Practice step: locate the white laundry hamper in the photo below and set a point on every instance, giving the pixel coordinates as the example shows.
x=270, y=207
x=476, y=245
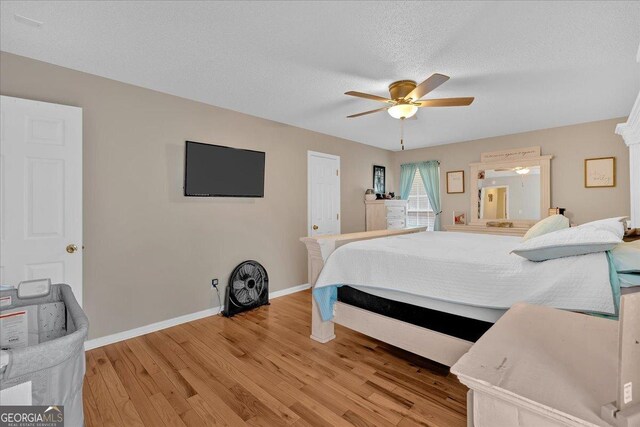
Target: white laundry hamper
x=54, y=363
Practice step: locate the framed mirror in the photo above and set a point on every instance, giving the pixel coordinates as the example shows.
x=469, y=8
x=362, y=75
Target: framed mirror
x=516, y=191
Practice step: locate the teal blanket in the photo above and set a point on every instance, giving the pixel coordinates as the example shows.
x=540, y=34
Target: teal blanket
x=615, y=286
x=326, y=298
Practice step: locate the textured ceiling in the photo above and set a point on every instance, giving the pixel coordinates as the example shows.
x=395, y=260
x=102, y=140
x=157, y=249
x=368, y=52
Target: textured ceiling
x=529, y=65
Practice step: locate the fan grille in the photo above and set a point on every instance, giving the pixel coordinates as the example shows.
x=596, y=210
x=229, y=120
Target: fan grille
x=248, y=287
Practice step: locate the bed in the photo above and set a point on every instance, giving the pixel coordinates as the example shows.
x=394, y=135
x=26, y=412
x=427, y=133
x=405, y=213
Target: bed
x=442, y=289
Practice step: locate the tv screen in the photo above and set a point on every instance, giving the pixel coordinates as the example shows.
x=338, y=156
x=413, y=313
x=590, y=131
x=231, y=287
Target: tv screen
x=216, y=171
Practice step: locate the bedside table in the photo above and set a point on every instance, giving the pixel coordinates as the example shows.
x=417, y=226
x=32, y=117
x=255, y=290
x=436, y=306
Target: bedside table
x=538, y=366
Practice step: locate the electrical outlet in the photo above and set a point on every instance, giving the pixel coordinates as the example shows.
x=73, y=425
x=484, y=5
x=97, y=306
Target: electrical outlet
x=214, y=283
x=628, y=393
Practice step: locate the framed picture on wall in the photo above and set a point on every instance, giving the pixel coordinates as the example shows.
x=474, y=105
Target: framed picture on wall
x=459, y=218
x=379, y=178
x=600, y=172
x=455, y=182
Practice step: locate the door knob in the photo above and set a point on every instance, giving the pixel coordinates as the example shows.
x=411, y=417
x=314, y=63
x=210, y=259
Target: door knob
x=72, y=248
x=315, y=227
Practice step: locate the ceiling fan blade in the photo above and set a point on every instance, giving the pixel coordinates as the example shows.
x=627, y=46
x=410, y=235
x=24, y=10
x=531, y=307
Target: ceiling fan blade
x=367, y=112
x=427, y=86
x=445, y=102
x=368, y=96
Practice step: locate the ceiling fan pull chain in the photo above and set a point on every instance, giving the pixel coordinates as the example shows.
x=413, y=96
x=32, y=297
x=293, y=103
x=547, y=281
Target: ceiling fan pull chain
x=402, y=133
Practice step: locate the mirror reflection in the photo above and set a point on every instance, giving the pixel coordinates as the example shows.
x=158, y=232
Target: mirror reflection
x=509, y=194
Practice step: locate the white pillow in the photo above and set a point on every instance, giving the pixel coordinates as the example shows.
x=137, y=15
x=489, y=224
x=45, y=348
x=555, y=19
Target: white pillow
x=547, y=225
x=568, y=242
x=614, y=225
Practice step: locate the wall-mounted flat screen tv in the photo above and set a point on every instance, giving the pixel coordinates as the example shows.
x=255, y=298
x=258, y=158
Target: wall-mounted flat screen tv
x=217, y=171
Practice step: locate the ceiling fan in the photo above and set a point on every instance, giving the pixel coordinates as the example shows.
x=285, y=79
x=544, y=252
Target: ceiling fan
x=405, y=95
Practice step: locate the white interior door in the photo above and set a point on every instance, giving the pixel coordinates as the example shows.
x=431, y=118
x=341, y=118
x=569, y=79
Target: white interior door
x=323, y=172
x=40, y=192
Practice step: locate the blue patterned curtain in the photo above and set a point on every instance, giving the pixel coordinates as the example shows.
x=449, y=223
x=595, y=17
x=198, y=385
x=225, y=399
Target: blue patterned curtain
x=430, y=172
x=407, y=172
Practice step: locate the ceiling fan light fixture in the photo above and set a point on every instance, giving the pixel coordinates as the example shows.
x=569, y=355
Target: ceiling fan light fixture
x=522, y=171
x=402, y=111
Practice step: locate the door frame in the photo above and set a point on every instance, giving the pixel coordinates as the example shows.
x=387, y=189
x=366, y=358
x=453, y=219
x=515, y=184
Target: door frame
x=328, y=156
x=506, y=195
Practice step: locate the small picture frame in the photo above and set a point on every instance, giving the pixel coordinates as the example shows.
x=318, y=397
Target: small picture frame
x=459, y=218
x=600, y=172
x=455, y=182
x=379, y=178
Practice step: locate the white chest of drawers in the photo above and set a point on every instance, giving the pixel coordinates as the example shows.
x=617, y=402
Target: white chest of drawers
x=385, y=214
x=396, y=214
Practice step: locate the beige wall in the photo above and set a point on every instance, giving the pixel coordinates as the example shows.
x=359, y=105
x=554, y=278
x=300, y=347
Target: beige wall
x=569, y=145
x=150, y=253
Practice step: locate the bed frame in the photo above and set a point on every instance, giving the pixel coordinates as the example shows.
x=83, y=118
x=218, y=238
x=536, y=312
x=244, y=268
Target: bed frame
x=425, y=342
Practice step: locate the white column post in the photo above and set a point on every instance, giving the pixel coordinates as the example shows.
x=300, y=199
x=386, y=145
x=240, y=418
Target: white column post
x=318, y=250
x=630, y=132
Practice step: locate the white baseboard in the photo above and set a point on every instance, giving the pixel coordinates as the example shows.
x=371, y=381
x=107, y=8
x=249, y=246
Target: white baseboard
x=288, y=291
x=147, y=329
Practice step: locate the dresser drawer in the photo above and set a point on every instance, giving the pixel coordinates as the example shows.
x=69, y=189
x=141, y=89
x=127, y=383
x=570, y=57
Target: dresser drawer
x=395, y=224
x=396, y=212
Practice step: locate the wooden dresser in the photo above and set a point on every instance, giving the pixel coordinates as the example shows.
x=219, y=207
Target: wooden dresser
x=539, y=366
x=385, y=214
x=483, y=229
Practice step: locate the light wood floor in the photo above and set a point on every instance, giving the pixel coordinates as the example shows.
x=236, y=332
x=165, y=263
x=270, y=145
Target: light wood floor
x=262, y=369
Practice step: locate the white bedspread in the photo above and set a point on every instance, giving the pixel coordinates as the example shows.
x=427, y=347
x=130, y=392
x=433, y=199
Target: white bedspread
x=472, y=269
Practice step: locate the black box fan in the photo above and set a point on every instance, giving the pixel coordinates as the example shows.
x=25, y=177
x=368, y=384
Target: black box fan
x=248, y=288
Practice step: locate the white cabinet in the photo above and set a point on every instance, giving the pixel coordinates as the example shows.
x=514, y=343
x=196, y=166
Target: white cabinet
x=539, y=366
x=396, y=214
x=385, y=214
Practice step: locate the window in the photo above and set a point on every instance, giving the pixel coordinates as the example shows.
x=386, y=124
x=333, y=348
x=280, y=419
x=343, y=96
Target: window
x=419, y=212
